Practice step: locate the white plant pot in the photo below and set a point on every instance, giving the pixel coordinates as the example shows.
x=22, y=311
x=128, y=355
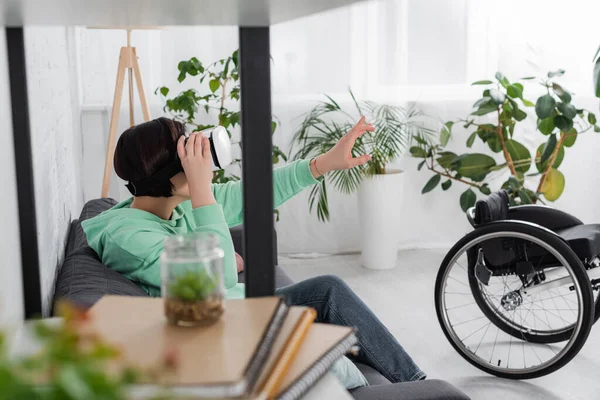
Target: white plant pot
x=379, y=206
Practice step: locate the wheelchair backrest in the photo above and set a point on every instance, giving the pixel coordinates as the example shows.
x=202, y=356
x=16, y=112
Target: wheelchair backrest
x=493, y=208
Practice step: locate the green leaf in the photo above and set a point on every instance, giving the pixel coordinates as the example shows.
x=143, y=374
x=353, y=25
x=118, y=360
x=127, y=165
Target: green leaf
x=502, y=79
x=527, y=103
x=483, y=82
x=596, y=128
x=418, y=152
x=164, y=90
x=557, y=73
x=563, y=123
x=488, y=135
x=597, y=78
x=471, y=139
x=519, y=114
x=591, y=118
x=515, y=90
x=474, y=165
x=485, y=190
x=542, y=166
x=214, y=84
x=421, y=165
x=545, y=106
x=564, y=95
x=546, y=126
x=420, y=140
x=497, y=96
x=431, y=184
x=554, y=185
x=596, y=55
x=273, y=126
x=482, y=101
x=567, y=109
x=569, y=138
x=525, y=197
x=234, y=118
x=548, y=149
x=446, y=159
x=446, y=185
x=519, y=154
x=234, y=57
x=528, y=78
x=467, y=200
x=485, y=109
x=445, y=133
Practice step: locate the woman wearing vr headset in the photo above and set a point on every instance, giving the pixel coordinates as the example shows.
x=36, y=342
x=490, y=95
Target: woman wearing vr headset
x=170, y=176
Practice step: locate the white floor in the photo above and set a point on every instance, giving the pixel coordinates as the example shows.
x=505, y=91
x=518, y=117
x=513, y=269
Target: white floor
x=403, y=300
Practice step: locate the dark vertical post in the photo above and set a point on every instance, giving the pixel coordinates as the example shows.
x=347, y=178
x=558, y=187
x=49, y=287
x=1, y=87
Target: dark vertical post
x=257, y=165
x=24, y=169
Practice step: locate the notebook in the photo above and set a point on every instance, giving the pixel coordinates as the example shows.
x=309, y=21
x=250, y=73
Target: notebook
x=323, y=345
x=285, y=349
x=307, y=351
x=224, y=359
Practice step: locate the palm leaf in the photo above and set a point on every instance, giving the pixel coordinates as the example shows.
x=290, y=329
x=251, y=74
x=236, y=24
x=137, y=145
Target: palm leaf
x=319, y=194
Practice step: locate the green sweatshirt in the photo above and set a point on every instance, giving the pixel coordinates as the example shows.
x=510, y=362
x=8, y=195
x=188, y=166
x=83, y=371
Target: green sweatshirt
x=130, y=241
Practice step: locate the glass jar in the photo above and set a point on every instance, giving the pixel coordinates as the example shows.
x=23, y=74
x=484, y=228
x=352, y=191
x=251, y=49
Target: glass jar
x=192, y=279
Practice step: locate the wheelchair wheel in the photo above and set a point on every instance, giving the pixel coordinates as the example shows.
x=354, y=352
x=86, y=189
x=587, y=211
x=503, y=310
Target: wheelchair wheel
x=490, y=303
x=508, y=323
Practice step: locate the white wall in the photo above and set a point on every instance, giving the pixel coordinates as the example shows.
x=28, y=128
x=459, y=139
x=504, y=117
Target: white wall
x=11, y=286
x=56, y=144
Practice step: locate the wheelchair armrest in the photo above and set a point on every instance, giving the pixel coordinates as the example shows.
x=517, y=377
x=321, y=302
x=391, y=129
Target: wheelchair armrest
x=545, y=216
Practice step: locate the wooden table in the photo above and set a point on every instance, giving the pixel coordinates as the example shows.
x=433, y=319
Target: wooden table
x=22, y=342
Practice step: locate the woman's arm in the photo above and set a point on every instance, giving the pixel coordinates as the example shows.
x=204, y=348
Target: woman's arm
x=296, y=176
x=287, y=182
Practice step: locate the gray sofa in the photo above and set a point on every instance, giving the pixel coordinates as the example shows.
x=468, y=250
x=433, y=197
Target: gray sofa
x=83, y=280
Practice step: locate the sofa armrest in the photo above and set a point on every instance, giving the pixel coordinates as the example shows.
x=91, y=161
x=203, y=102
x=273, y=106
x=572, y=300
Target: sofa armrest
x=237, y=235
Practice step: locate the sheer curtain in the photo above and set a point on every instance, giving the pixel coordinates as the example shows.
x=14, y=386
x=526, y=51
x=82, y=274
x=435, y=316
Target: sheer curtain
x=399, y=51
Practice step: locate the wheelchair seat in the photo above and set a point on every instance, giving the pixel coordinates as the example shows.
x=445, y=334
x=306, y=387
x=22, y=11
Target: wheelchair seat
x=584, y=239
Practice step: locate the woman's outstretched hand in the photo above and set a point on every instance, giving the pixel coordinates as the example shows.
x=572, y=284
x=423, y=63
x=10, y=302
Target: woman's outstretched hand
x=340, y=156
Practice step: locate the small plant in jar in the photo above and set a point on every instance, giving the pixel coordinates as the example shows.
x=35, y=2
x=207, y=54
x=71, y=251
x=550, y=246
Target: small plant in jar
x=192, y=279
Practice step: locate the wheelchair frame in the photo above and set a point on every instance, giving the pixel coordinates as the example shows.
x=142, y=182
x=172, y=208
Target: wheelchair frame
x=522, y=244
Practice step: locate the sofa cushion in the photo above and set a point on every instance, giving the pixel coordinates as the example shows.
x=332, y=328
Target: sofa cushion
x=83, y=279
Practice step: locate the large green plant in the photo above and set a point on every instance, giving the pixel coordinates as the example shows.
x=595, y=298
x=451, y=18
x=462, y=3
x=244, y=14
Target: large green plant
x=324, y=125
x=493, y=120
x=73, y=364
x=206, y=110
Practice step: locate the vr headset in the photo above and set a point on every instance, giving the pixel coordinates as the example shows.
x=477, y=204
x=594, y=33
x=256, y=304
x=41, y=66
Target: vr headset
x=220, y=150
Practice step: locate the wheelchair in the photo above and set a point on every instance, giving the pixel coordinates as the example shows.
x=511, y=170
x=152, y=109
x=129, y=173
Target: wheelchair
x=517, y=296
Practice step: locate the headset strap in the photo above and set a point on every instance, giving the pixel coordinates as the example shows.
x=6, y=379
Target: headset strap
x=145, y=186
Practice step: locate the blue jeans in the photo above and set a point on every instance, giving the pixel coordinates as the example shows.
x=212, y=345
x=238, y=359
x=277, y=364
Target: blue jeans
x=337, y=304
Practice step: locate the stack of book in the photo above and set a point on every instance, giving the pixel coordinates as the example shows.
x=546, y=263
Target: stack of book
x=259, y=348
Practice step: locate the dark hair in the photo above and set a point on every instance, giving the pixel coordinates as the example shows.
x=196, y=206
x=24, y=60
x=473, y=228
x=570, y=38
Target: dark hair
x=145, y=149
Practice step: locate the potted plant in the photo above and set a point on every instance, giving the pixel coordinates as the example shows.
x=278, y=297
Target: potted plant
x=559, y=123
x=379, y=187
x=193, y=297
